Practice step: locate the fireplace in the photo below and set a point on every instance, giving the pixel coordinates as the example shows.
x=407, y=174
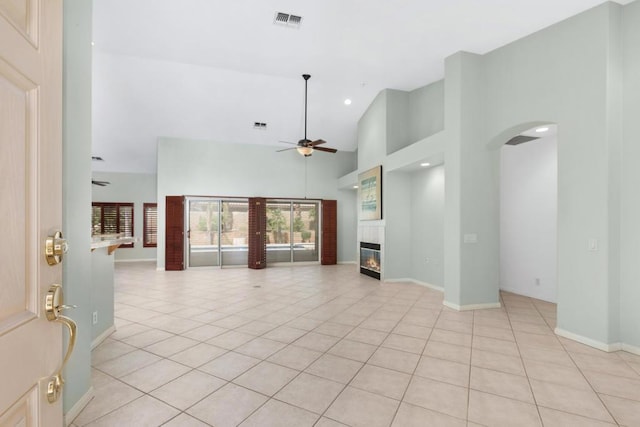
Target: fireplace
x=370, y=259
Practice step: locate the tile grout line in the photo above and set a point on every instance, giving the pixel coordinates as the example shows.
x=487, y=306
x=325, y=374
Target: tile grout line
x=524, y=367
x=303, y=371
x=329, y=304
x=416, y=367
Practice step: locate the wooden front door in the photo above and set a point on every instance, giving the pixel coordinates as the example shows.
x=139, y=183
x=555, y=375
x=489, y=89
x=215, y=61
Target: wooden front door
x=30, y=207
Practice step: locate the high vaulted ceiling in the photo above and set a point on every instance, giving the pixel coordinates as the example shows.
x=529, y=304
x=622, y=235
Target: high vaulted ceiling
x=209, y=69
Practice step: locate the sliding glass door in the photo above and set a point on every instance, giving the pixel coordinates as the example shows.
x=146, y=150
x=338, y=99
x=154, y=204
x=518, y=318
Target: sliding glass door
x=217, y=232
x=234, y=225
x=292, y=231
x=305, y=232
x=203, y=233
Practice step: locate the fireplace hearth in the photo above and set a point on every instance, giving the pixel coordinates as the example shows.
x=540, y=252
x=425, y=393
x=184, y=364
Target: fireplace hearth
x=370, y=263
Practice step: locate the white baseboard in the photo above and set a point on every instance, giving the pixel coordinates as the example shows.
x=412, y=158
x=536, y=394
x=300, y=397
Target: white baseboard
x=136, y=260
x=588, y=341
x=79, y=406
x=103, y=336
x=631, y=349
x=417, y=282
x=469, y=307
x=526, y=293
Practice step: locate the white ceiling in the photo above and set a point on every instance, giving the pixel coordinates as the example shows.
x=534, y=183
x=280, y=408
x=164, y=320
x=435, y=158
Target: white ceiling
x=209, y=69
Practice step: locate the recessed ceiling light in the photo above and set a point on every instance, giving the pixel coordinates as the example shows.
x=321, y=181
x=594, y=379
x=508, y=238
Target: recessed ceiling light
x=355, y=186
x=425, y=164
x=347, y=101
x=542, y=129
x=93, y=43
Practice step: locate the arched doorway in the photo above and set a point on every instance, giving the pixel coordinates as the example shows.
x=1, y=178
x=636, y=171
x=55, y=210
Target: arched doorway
x=528, y=213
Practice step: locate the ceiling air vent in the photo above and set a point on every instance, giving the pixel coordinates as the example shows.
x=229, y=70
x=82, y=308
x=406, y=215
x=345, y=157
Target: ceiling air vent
x=287, y=20
x=521, y=139
x=260, y=125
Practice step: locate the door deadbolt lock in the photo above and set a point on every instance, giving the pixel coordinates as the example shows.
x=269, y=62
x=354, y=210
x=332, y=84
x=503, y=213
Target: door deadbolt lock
x=55, y=246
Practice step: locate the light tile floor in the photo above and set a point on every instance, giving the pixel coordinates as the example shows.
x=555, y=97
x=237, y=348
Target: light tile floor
x=325, y=346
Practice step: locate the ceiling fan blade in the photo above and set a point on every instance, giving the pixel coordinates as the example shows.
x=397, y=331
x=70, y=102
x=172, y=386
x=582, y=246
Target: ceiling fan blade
x=327, y=149
x=286, y=149
x=318, y=142
x=100, y=183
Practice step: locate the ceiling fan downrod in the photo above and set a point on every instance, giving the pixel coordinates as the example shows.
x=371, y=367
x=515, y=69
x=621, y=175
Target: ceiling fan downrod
x=306, y=78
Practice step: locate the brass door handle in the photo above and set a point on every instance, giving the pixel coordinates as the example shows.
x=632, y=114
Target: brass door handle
x=53, y=307
x=55, y=246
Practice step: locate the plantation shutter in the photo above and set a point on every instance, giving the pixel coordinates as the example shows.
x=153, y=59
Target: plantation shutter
x=174, y=233
x=125, y=222
x=329, y=250
x=257, y=257
x=150, y=225
x=109, y=218
x=113, y=218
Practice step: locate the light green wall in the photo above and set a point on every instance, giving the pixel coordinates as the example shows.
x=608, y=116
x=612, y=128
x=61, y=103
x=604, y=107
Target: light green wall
x=129, y=187
x=408, y=118
x=396, y=203
x=570, y=74
x=471, y=200
x=76, y=177
x=630, y=212
x=569, y=88
x=189, y=167
x=348, y=224
x=427, y=225
x=398, y=123
x=426, y=111
x=102, y=290
x=372, y=134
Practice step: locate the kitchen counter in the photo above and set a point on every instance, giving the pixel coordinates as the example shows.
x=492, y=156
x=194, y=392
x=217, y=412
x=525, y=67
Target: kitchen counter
x=111, y=241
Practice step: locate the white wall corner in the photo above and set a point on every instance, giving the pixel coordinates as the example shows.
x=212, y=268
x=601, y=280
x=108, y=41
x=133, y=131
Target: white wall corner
x=103, y=336
x=79, y=406
x=588, y=341
x=469, y=307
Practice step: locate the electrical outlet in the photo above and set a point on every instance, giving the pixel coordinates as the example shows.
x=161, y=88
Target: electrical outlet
x=95, y=317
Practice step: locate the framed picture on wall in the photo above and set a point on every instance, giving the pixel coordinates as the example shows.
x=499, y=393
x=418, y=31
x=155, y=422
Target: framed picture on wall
x=370, y=194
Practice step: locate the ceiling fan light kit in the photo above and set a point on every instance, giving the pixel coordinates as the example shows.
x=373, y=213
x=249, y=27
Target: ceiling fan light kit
x=305, y=151
x=305, y=146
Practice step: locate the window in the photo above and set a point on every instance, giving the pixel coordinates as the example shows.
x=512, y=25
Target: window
x=292, y=230
x=150, y=225
x=113, y=218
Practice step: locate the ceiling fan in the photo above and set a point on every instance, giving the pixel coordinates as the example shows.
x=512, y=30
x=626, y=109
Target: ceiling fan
x=305, y=146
